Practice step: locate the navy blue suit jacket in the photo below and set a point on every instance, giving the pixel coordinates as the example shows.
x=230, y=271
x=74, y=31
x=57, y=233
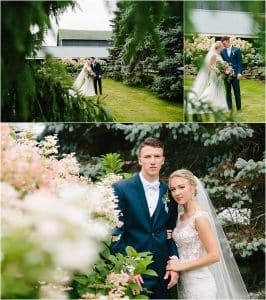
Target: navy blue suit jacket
x=141, y=231
x=235, y=59
x=97, y=69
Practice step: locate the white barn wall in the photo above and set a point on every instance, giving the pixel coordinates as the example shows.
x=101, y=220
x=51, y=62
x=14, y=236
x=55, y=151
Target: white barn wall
x=219, y=23
x=72, y=52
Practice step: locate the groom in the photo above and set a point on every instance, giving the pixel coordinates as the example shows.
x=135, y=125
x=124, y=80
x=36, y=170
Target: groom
x=146, y=215
x=233, y=56
x=96, y=68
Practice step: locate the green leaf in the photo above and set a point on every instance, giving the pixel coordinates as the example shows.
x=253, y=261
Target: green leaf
x=150, y=272
x=106, y=253
x=112, y=258
x=134, y=286
x=141, y=297
x=131, y=251
x=102, y=269
x=80, y=279
x=120, y=256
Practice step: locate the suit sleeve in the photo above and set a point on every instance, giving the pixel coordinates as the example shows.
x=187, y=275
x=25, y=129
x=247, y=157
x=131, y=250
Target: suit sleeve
x=172, y=248
x=239, y=62
x=119, y=246
x=100, y=70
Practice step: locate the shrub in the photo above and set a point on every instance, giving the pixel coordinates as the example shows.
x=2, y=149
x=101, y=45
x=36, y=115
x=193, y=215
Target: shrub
x=197, y=46
x=154, y=64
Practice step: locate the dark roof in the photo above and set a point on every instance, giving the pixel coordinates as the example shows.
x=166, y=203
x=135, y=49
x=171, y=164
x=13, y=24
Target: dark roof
x=69, y=34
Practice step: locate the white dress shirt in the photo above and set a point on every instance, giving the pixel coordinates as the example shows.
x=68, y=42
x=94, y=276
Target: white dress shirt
x=229, y=50
x=152, y=192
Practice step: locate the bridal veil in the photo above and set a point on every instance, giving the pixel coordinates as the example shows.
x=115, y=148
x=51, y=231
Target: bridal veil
x=226, y=273
x=78, y=82
x=201, y=82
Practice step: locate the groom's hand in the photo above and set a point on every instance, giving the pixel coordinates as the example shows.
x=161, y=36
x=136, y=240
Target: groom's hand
x=137, y=279
x=239, y=76
x=173, y=278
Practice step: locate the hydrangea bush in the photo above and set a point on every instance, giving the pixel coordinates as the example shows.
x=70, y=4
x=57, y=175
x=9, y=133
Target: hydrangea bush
x=196, y=49
x=197, y=46
x=56, y=226
x=53, y=220
x=74, y=66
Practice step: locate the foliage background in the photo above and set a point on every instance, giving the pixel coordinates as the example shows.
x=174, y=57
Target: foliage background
x=148, y=46
x=32, y=90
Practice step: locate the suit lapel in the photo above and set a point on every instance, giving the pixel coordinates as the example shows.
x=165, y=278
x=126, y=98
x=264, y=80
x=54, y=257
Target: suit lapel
x=142, y=198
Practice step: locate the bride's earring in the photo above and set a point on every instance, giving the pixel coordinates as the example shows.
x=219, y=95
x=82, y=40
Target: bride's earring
x=194, y=196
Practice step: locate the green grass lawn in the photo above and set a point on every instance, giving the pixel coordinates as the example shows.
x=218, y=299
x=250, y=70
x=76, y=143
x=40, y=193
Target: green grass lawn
x=131, y=104
x=253, y=101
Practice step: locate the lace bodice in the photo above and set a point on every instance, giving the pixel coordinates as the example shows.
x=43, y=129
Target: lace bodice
x=218, y=58
x=187, y=238
x=213, y=66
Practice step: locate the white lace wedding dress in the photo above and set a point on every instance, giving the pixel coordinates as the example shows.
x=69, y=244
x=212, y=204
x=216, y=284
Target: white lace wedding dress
x=84, y=83
x=198, y=283
x=87, y=89
x=214, y=93
x=207, y=88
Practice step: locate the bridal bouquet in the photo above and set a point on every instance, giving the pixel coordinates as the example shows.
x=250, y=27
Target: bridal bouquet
x=225, y=70
x=89, y=73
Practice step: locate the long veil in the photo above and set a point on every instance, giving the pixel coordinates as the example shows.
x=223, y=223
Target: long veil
x=227, y=276
x=78, y=82
x=201, y=82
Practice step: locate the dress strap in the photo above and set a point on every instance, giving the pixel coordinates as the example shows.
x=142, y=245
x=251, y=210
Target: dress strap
x=199, y=213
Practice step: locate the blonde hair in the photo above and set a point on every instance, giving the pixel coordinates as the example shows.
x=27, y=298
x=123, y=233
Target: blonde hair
x=184, y=173
x=218, y=44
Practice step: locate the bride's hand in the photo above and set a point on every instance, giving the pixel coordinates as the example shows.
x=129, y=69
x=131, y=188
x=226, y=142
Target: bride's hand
x=174, y=265
x=169, y=234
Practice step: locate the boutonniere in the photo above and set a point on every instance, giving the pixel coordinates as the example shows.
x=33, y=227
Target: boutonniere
x=165, y=201
x=166, y=198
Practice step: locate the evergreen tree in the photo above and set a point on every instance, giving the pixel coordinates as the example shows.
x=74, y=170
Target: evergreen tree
x=24, y=24
x=168, y=83
x=148, y=45
x=32, y=90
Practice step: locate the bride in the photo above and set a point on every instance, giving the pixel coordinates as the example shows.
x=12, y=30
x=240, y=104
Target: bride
x=84, y=82
x=206, y=264
x=208, y=85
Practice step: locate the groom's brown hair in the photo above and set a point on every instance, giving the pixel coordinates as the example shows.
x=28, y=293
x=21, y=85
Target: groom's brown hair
x=152, y=142
x=225, y=38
